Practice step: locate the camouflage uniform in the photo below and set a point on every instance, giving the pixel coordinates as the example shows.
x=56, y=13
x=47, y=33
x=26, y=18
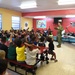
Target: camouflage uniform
x=59, y=35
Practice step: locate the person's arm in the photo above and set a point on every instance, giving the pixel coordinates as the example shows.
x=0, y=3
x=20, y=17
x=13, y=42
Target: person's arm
x=7, y=73
x=30, y=45
x=36, y=46
x=61, y=28
x=10, y=38
x=57, y=28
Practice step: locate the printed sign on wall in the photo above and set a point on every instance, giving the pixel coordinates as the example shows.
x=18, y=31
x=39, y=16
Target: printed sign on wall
x=73, y=24
x=26, y=26
x=41, y=23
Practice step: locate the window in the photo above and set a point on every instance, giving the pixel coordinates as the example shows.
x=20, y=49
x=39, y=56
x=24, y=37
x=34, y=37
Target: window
x=15, y=23
x=0, y=21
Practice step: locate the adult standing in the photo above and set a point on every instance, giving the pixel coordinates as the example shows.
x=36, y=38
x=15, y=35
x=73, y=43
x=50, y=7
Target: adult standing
x=59, y=34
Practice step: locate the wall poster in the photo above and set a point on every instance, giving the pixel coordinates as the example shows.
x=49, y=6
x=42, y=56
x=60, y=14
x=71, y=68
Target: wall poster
x=41, y=23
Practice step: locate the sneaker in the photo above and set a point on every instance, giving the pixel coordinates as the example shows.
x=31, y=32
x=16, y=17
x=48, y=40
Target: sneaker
x=47, y=62
x=56, y=60
x=47, y=58
x=35, y=67
x=52, y=59
x=58, y=46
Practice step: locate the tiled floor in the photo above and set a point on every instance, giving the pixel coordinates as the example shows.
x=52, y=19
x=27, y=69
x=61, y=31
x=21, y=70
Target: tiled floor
x=12, y=73
x=65, y=64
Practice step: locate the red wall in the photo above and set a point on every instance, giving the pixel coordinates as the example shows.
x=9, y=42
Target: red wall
x=50, y=13
x=67, y=26
x=49, y=23
x=66, y=21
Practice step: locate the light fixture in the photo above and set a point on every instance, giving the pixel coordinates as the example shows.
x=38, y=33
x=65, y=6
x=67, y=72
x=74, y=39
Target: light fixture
x=59, y=20
x=36, y=17
x=28, y=4
x=68, y=16
x=66, y=2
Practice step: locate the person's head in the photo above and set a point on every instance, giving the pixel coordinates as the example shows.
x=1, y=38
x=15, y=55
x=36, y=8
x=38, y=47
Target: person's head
x=59, y=23
x=3, y=39
x=3, y=66
x=33, y=38
x=42, y=39
x=8, y=35
x=18, y=42
x=49, y=39
x=2, y=54
x=12, y=43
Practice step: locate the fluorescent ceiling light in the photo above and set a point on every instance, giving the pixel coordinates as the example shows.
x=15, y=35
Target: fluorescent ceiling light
x=67, y=16
x=28, y=4
x=39, y=17
x=66, y=2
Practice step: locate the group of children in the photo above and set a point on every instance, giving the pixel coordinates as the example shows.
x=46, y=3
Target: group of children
x=25, y=41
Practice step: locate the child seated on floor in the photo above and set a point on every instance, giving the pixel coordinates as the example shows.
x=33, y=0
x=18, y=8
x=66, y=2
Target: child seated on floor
x=51, y=48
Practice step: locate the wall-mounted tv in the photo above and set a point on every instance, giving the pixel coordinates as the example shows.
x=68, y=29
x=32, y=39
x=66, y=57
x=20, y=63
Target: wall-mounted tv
x=57, y=19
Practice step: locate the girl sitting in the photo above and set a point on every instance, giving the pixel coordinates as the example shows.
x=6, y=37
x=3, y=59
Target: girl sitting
x=51, y=48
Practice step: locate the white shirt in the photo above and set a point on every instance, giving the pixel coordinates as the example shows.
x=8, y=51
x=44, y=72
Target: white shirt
x=63, y=32
x=31, y=56
x=26, y=28
x=6, y=73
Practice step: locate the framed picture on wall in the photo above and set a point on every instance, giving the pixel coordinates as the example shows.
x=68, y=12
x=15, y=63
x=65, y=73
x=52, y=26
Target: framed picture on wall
x=73, y=24
x=41, y=23
x=26, y=25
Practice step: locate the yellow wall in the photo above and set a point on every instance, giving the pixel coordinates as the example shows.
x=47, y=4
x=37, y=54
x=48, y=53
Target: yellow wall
x=30, y=22
x=7, y=19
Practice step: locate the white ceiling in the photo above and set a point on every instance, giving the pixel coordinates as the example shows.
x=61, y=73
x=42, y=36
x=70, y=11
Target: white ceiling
x=43, y=5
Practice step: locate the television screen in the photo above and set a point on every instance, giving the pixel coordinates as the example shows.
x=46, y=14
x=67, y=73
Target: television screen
x=57, y=19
